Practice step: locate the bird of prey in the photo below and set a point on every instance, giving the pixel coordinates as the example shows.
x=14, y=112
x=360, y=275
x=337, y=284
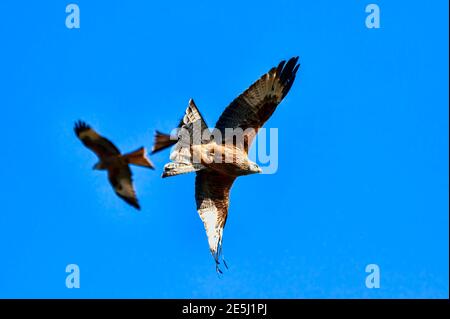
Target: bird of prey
x=110, y=159
x=199, y=152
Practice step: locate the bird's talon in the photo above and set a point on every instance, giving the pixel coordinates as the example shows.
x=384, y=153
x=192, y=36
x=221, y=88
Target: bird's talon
x=218, y=270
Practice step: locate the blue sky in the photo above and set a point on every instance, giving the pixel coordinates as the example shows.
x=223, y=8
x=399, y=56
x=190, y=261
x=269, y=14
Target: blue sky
x=363, y=149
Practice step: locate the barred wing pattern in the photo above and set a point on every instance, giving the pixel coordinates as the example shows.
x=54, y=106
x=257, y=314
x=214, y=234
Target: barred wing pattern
x=253, y=108
x=212, y=191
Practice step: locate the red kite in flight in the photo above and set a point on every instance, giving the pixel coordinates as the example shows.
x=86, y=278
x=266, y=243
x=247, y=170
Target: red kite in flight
x=110, y=159
x=214, y=179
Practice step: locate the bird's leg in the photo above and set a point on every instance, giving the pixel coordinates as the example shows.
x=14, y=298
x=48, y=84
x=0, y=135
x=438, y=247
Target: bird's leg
x=220, y=253
x=224, y=262
x=218, y=270
x=223, y=259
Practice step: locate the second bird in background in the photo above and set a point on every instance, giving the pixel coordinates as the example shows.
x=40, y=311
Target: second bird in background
x=111, y=160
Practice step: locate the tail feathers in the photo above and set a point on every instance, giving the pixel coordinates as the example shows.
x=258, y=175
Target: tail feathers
x=162, y=141
x=172, y=169
x=139, y=158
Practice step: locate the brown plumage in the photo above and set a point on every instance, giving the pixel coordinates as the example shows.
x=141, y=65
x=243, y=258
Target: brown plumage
x=203, y=153
x=110, y=159
x=162, y=141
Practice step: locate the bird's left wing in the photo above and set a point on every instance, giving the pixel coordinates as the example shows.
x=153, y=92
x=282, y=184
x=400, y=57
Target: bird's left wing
x=212, y=191
x=253, y=108
x=120, y=177
x=101, y=146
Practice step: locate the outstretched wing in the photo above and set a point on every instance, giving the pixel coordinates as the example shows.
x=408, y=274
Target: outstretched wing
x=190, y=130
x=212, y=191
x=121, y=180
x=101, y=146
x=192, y=125
x=253, y=108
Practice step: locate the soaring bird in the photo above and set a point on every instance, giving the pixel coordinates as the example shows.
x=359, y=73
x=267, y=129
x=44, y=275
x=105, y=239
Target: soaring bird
x=110, y=159
x=205, y=152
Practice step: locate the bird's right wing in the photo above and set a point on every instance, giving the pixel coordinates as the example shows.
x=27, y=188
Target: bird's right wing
x=101, y=146
x=120, y=177
x=212, y=191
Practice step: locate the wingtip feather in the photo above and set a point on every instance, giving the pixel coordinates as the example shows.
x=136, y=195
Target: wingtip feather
x=81, y=126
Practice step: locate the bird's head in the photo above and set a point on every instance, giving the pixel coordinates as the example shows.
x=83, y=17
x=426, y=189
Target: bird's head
x=254, y=168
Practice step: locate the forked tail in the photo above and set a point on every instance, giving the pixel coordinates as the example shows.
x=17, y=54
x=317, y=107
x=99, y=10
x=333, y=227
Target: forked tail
x=139, y=158
x=163, y=141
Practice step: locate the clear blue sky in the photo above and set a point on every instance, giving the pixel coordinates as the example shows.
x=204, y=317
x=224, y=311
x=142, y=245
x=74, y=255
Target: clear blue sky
x=365, y=126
